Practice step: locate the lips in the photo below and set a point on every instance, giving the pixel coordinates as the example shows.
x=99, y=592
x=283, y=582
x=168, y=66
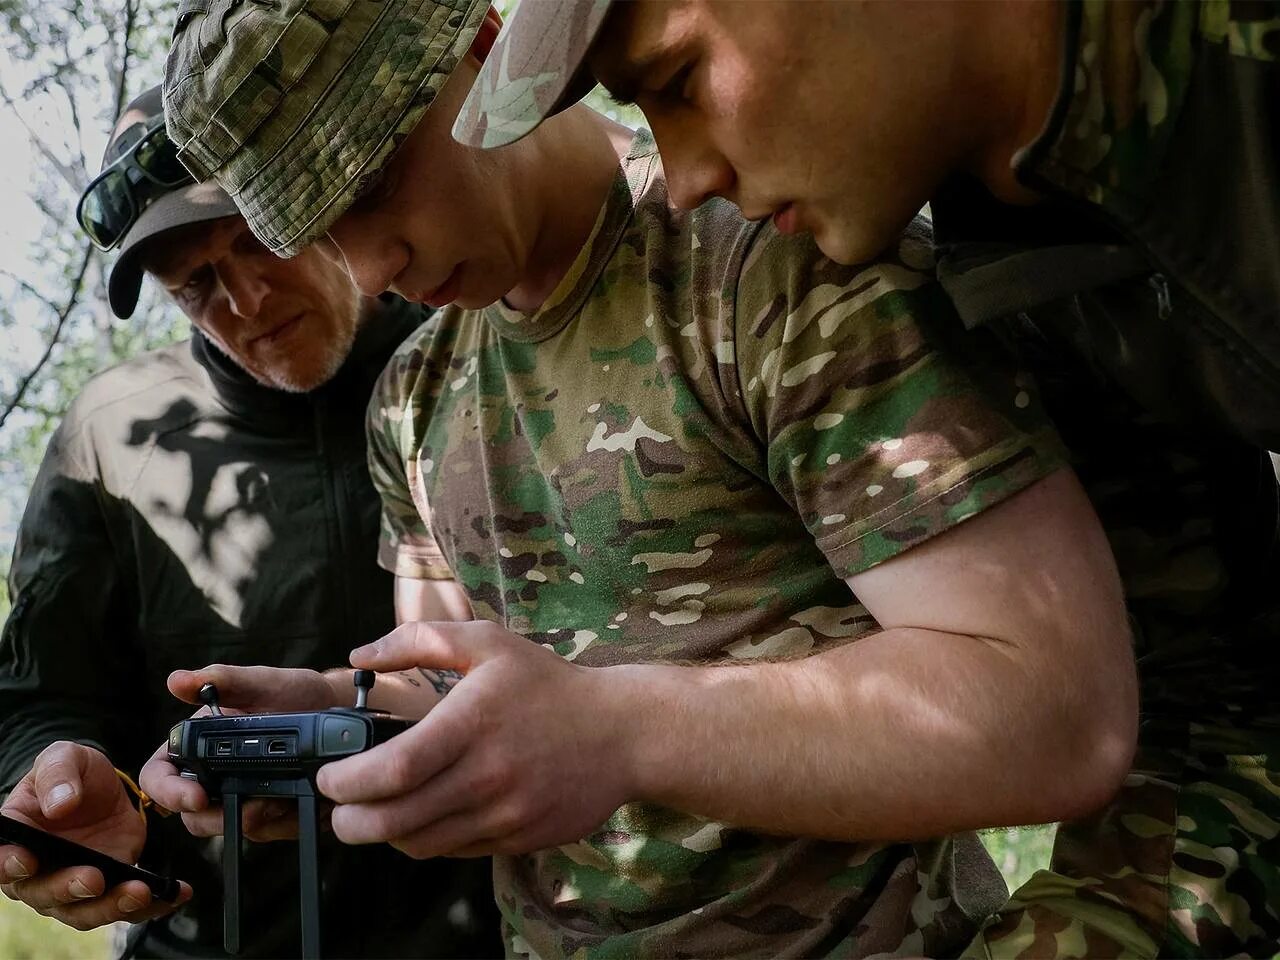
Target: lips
x=276, y=333
x=447, y=292
x=786, y=219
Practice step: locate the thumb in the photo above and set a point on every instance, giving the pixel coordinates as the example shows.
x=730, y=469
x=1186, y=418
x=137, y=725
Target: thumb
x=438, y=646
x=58, y=778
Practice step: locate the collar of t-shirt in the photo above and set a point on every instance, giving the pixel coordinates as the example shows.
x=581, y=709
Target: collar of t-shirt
x=635, y=171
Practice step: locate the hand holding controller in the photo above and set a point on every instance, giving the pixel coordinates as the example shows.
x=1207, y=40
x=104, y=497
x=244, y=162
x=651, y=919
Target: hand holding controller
x=69, y=834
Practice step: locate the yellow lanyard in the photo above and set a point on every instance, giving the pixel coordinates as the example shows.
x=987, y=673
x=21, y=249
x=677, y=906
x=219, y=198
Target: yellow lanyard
x=144, y=801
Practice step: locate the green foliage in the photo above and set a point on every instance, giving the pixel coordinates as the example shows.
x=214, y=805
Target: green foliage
x=1020, y=851
x=25, y=935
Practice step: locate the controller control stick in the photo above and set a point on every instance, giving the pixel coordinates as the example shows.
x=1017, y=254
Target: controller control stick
x=363, y=680
x=209, y=697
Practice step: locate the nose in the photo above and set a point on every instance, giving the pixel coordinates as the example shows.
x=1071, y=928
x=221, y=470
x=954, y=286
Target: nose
x=245, y=285
x=372, y=257
x=696, y=171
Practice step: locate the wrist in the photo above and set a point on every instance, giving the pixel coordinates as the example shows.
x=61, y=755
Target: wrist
x=648, y=712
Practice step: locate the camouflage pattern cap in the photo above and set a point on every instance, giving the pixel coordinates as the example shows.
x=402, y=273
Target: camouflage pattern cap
x=534, y=71
x=291, y=105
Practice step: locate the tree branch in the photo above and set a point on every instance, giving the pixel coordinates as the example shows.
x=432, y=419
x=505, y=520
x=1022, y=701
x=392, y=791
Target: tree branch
x=64, y=170
x=126, y=51
x=30, y=289
x=16, y=400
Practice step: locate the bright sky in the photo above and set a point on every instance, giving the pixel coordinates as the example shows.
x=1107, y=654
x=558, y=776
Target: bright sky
x=20, y=220
x=21, y=223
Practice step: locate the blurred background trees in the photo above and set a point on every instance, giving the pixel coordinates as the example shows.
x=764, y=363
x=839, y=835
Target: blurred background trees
x=66, y=67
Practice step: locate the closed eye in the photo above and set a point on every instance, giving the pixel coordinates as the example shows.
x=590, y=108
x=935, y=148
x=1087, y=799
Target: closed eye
x=676, y=89
x=373, y=189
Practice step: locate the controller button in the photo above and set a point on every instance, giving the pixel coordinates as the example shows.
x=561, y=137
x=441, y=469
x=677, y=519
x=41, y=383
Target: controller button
x=342, y=735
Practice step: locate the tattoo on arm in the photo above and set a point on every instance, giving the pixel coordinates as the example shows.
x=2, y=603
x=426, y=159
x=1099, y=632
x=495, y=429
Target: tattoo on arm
x=442, y=681
x=408, y=677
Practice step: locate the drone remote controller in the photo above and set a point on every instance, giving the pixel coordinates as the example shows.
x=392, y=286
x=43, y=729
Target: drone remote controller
x=275, y=755
x=272, y=747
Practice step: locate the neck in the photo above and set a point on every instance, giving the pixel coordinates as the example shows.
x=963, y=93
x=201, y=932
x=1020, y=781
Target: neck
x=1017, y=65
x=573, y=159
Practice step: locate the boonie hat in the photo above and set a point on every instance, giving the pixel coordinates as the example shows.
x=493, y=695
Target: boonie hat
x=533, y=72
x=291, y=105
x=156, y=209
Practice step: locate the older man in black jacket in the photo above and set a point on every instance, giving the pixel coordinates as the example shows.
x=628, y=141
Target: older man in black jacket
x=205, y=502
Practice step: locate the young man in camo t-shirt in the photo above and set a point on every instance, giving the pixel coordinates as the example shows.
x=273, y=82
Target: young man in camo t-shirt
x=691, y=460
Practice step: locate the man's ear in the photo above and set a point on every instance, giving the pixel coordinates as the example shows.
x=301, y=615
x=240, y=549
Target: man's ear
x=486, y=35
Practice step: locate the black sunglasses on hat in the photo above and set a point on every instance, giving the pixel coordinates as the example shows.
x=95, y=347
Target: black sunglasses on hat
x=116, y=197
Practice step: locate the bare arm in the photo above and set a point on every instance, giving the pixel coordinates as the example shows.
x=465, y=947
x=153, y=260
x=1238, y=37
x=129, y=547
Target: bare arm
x=1001, y=691
x=430, y=600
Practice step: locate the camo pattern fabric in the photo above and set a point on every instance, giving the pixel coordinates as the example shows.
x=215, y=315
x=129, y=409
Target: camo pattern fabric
x=292, y=106
x=532, y=71
x=1133, y=63
x=679, y=457
x=1185, y=861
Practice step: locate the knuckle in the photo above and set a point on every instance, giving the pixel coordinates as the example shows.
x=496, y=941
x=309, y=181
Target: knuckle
x=489, y=780
x=400, y=770
x=514, y=813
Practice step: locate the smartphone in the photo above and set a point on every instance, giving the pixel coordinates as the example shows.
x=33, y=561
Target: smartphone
x=55, y=853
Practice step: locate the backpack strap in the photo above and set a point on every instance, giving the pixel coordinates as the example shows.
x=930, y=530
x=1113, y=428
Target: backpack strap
x=992, y=285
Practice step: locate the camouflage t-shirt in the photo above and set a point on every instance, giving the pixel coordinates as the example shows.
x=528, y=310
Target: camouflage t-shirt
x=680, y=457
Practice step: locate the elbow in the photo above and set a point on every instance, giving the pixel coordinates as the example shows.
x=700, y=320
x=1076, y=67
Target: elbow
x=1096, y=745
x=1088, y=737
x=1101, y=757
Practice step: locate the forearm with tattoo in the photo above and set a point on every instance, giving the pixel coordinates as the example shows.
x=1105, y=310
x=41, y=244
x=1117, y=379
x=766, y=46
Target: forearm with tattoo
x=441, y=681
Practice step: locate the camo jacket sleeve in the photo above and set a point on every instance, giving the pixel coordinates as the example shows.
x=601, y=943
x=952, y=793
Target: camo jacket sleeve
x=406, y=546
x=882, y=423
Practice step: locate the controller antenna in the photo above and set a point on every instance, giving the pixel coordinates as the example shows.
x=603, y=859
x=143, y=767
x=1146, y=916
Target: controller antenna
x=364, y=683
x=209, y=697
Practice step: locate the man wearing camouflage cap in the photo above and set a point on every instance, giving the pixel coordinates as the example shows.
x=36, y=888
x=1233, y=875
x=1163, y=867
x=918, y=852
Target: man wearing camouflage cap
x=693, y=461
x=1103, y=178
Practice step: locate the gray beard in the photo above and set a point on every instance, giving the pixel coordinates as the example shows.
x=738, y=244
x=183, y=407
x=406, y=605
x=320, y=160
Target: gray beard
x=335, y=356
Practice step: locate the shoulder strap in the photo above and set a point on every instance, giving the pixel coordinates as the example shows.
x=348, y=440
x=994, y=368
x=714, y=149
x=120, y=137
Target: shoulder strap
x=1024, y=279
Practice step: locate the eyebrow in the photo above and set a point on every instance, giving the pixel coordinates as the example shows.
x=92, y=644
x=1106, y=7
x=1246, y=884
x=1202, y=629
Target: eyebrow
x=624, y=87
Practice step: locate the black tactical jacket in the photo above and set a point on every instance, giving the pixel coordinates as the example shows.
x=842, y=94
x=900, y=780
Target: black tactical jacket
x=185, y=515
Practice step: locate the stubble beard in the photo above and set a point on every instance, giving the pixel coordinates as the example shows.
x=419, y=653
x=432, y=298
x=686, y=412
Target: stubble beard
x=334, y=355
